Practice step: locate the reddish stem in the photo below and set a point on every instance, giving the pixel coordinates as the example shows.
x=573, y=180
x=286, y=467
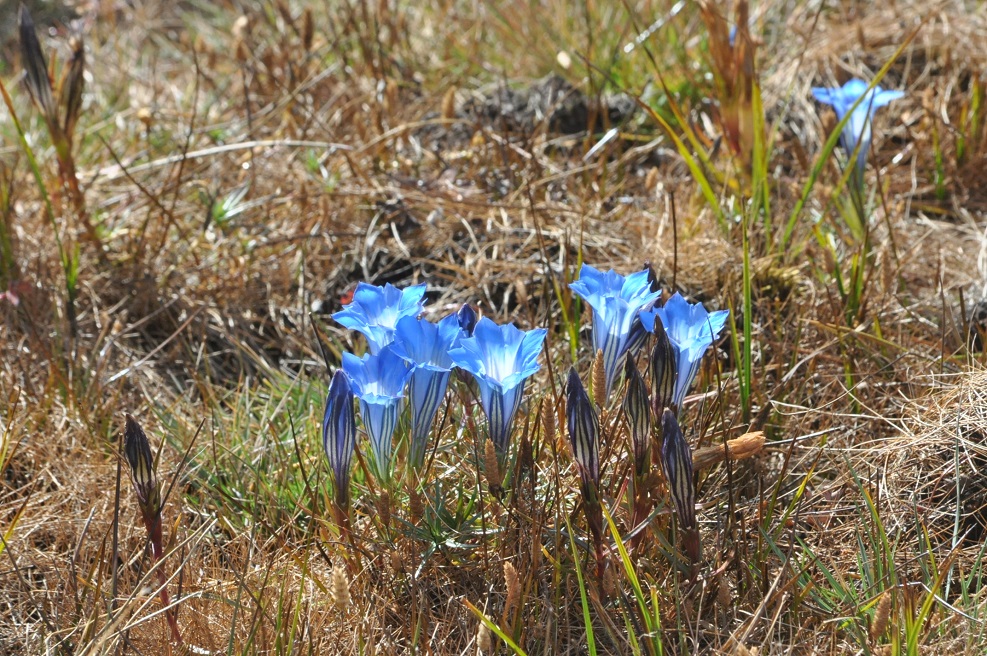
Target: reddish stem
x=157, y=551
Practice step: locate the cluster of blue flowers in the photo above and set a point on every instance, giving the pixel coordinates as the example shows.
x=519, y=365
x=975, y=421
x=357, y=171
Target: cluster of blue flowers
x=624, y=314
x=412, y=358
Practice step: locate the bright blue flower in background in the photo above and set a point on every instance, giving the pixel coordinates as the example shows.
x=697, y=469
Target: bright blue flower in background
x=426, y=346
x=339, y=434
x=375, y=311
x=858, y=128
x=378, y=380
x=691, y=330
x=616, y=301
x=501, y=359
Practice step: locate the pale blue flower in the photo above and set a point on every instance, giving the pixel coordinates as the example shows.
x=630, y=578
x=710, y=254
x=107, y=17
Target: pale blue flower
x=617, y=302
x=378, y=380
x=857, y=129
x=375, y=311
x=426, y=346
x=339, y=434
x=501, y=359
x=691, y=330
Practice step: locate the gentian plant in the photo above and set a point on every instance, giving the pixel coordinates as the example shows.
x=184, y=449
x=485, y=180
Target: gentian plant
x=584, y=436
x=617, y=302
x=375, y=311
x=378, y=380
x=425, y=346
x=500, y=359
x=138, y=452
x=691, y=330
x=676, y=462
x=857, y=133
x=339, y=436
x=637, y=410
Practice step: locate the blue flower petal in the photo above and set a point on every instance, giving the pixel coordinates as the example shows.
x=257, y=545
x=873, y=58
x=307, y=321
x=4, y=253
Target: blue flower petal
x=378, y=380
x=501, y=359
x=375, y=311
x=857, y=135
x=617, y=303
x=691, y=330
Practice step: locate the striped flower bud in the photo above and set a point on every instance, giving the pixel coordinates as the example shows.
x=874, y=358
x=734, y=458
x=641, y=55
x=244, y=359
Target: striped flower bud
x=467, y=319
x=73, y=84
x=138, y=452
x=584, y=429
x=339, y=434
x=661, y=368
x=35, y=67
x=638, y=412
x=676, y=460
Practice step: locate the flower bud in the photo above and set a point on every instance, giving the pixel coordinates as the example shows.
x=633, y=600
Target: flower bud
x=638, y=413
x=661, y=368
x=584, y=429
x=138, y=452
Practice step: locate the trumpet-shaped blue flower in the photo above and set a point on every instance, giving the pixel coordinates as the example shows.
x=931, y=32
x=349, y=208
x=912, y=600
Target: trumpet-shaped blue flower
x=501, y=359
x=375, y=311
x=339, y=434
x=378, y=380
x=617, y=303
x=857, y=130
x=426, y=346
x=691, y=330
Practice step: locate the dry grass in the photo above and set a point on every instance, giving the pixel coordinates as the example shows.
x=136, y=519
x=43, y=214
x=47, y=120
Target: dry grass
x=246, y=166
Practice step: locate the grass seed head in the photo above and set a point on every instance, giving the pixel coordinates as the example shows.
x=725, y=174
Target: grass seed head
x=739, y=448
x=308, y=29
x=449, y=104
x=599, y=380
x=881, y=616
x=340, y=588
x=548, y=420
x=484, y=640
x=490, y=466
x=513, y=586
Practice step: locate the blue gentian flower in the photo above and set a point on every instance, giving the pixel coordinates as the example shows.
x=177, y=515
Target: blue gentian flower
x=858, y=128
x=467, y=318
x=339, y=434
x=425, y=346
x=378, y=380
x=691, y=330
x=616, y=301
x=501, y=359
x=375, y=311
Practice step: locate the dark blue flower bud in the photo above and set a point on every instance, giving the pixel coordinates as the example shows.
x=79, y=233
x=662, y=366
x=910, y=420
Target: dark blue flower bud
x=467, y=319
x=339, y=434
x=584, y=429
